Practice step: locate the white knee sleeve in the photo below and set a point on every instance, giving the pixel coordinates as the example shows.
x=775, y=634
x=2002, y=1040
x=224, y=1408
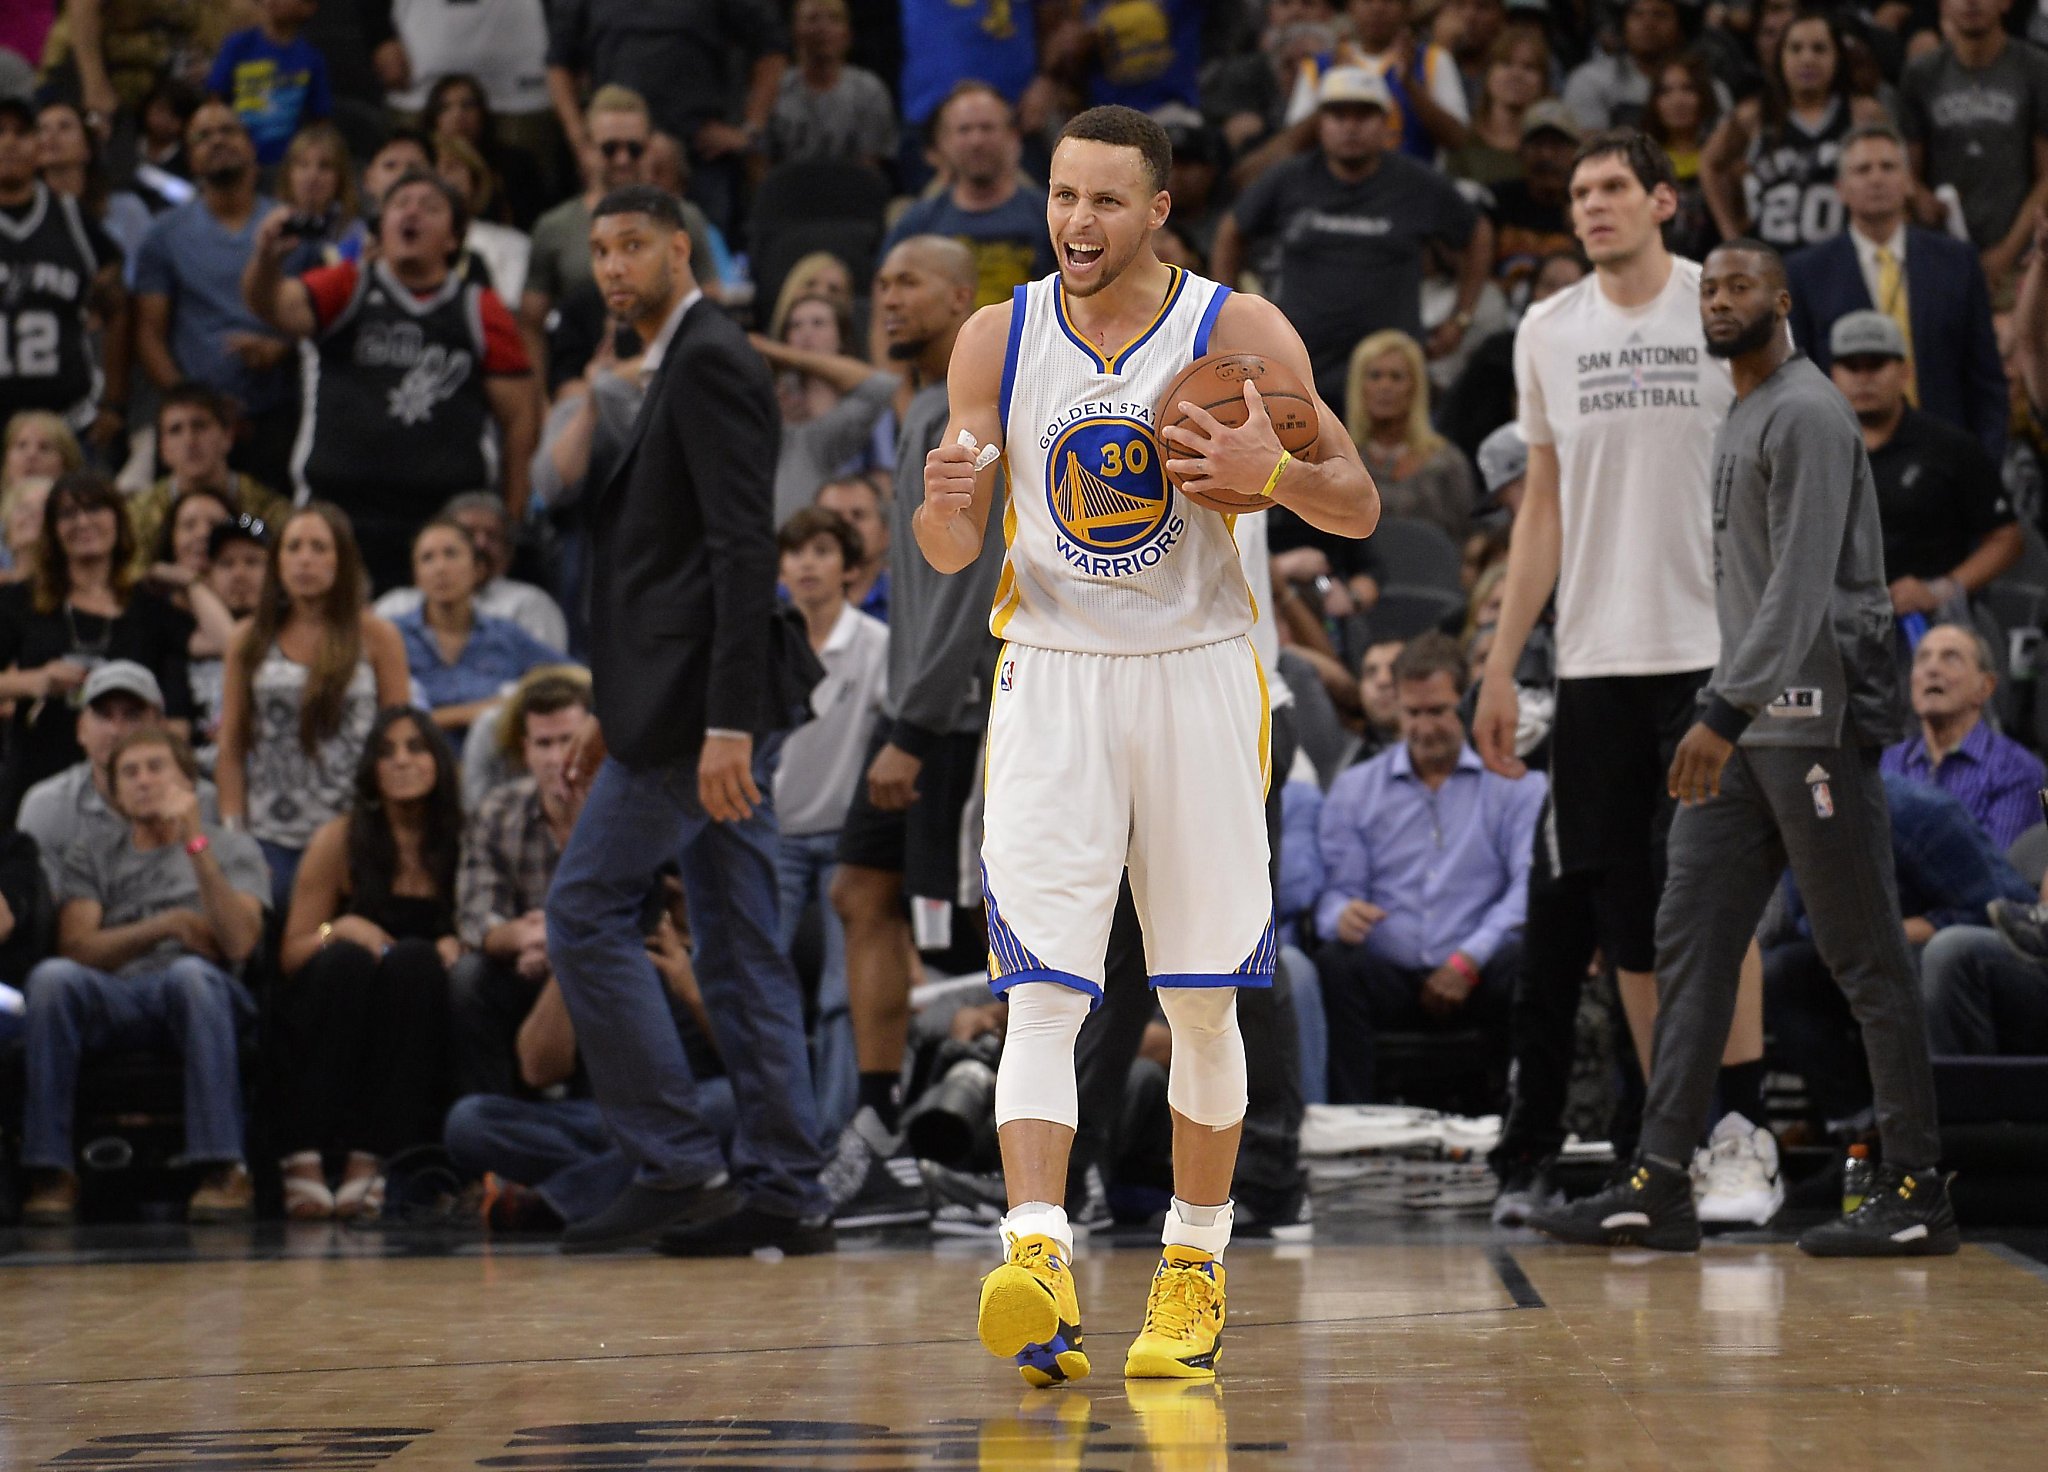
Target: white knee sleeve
x=1207, y=1082
x=1036, y=1077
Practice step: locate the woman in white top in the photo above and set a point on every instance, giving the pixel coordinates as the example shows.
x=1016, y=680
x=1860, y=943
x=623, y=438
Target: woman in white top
x=505, y=251
x=305, y=678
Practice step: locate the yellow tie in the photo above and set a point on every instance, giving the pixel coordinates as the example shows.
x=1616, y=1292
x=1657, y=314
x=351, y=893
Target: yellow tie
x=1891, y=300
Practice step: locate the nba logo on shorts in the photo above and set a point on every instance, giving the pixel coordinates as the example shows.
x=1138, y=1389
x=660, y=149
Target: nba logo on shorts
x=1823, y=798
x=1009, y=675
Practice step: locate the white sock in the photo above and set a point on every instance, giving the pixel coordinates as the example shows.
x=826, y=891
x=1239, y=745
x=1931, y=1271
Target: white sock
x=1204, y=1227
x=1037, y=1219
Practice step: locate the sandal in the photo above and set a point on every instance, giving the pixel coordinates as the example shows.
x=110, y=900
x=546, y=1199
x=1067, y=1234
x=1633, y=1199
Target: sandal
x=306, y=1197
x=361, y=1195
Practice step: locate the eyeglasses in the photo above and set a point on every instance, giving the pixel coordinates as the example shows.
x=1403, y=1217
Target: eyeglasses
x=72, y=510
x=631, y=148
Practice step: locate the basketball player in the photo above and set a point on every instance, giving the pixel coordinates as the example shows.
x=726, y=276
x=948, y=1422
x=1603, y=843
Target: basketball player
x=1781, y=765
x=55, y=262
x=1129, y=723
x=1619, y=403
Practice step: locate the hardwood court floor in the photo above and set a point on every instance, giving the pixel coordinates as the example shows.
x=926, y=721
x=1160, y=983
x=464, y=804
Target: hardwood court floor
x=1443, y=1352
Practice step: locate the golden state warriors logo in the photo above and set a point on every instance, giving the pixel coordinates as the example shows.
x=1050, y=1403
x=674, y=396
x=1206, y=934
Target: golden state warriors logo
x=1109, y=497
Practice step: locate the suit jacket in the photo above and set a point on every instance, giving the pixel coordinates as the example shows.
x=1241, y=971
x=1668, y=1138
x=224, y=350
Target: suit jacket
x=1955, y=354
x=683, y=559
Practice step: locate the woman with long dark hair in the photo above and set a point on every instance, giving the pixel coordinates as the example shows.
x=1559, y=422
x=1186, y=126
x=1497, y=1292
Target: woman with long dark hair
x=81, y=608
x=456, y=105
x=366, y=952
x=305, y=676
x=1680, y=118
x=1769, y=169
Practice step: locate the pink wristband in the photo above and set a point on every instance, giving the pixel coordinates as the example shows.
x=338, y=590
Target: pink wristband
x=1462, y=964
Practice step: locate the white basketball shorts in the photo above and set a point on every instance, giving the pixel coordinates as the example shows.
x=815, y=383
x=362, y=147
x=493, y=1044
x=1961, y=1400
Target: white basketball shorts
x=1157, y=762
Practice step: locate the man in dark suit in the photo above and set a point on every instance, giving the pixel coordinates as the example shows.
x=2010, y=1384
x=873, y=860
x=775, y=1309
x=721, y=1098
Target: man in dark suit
x=1930, y=284
x=682, y=595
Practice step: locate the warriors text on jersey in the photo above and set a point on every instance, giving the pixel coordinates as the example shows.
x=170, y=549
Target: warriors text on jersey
x=49, y=255
x=1104, y=556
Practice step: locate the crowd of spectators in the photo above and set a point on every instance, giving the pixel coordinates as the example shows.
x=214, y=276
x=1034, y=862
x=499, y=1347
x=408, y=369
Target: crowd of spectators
x=306, y=383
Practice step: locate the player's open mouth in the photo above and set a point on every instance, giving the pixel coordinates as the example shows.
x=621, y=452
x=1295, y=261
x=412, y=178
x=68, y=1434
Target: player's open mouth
x=1078, y=256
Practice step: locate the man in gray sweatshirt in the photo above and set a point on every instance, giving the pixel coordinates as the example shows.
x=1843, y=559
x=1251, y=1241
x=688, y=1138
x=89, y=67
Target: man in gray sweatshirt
x=1781, y=766
x=902, y=834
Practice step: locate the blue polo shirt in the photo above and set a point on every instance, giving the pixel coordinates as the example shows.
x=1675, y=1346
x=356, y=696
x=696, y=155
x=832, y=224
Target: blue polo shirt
x=498, y=653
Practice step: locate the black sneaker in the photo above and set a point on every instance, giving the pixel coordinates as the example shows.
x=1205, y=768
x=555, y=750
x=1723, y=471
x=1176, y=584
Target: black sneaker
x=1529, y=1186
x=964, y=1203
x=2025, y=927
x=1906, y=1214
x=747, y=1231
x=870, y=1182
x=641, y=1213
x=1650, y=1206
x=1091, y=1213
x=1273, y=1216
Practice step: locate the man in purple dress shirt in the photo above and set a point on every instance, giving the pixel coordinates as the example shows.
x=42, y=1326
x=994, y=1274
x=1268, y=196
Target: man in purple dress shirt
x=1426, y=861
x=1991, y=775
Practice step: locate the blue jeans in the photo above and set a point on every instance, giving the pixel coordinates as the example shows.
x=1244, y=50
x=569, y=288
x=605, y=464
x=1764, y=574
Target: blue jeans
x=1312, y=1025
x=284, y=872
x=631, y=823
x=191, y=1007
x=803, y=868
x=561, y=1148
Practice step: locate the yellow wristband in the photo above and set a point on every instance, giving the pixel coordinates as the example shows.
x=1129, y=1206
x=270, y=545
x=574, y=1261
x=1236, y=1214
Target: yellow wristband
x=1279, y=470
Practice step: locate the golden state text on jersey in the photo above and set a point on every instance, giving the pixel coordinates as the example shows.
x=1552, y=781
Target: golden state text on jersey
x=1102, y=555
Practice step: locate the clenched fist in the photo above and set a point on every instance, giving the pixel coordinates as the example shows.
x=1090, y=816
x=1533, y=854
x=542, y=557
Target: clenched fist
x=948, y=484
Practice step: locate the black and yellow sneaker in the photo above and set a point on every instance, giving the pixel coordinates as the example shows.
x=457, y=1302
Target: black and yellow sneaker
x=1650, y=1206
x=1906, y=1214
x=1183, y=1334
x=1031, y=1314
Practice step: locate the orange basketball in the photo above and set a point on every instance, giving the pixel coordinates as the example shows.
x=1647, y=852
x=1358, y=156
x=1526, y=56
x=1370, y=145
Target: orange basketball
x=1216, y=383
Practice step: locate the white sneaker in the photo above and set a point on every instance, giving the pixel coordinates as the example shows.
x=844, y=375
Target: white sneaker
x=1735, y=1179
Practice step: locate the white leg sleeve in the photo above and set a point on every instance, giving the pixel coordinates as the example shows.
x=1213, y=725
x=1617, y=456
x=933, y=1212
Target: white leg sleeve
x=1036, y=1077
x=1207, y=1082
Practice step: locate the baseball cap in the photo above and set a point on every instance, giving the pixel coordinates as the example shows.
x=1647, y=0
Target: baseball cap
x=1353, y=86
x=1867, y=334
x=124, y=677
x=1503, y=455
x=243, y=528
x=1550, y=116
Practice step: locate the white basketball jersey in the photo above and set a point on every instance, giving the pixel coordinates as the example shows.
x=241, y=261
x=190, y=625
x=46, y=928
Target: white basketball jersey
x=1104, y=556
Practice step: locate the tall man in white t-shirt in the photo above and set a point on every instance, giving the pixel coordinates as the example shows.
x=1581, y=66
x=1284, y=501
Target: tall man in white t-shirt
x=1619, y=404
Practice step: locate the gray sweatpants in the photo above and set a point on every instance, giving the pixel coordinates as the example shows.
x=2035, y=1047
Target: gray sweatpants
x=1725, y=856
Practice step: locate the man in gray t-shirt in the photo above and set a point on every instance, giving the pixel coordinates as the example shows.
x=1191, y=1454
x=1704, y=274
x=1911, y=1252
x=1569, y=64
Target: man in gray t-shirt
x=120, y=696
x=152, y=919
x=1782, y=765
x=1975, y=113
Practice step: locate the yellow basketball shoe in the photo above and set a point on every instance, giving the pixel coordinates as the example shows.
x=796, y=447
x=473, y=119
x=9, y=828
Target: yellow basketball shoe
x=1183, y=1334
x=1031, y=1314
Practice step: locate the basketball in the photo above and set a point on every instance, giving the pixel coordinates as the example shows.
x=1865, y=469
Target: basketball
x=1216, y=384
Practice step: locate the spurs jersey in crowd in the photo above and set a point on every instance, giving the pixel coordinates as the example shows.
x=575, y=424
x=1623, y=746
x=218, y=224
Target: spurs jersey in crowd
x=49, y=255
x=1791, y=181
x=396, y=417
x=1129, y=728
x=1105, y=557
